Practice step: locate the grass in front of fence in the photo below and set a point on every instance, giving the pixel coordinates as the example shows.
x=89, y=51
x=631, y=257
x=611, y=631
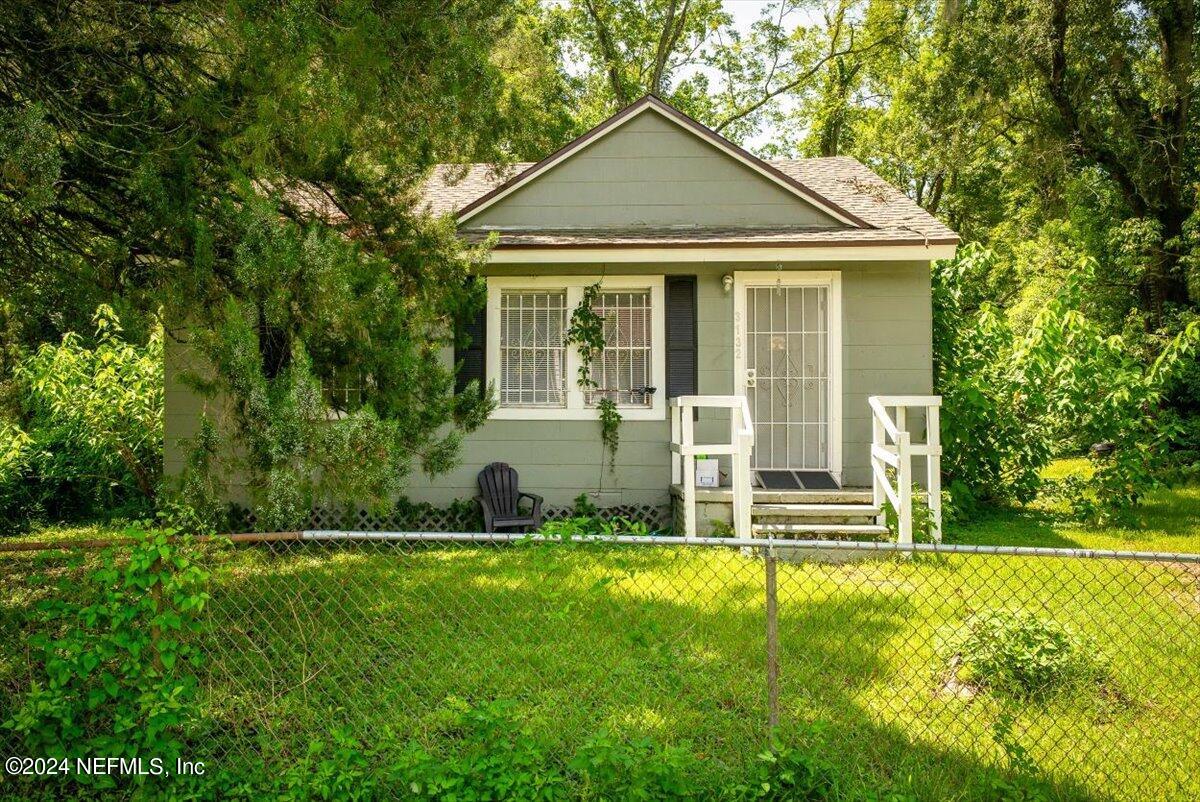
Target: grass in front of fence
x=669, y=643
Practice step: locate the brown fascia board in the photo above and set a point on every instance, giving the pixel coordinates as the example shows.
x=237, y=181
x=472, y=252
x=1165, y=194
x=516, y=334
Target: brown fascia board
x=731, y=244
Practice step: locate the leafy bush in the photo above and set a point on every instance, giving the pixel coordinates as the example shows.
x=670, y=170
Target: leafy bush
x=609, y=767
x=595, y=526
x=793, y=773
x=489, y=756
x=493, y=758
x=1014, y=396
x=588, y=521
x=117, y=669
x=1021, y=783
x=994, y=433
x=90, y=434
x=922, y=516
x=1024, y=656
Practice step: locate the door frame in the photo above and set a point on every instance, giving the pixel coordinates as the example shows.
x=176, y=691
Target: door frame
x=743, y=279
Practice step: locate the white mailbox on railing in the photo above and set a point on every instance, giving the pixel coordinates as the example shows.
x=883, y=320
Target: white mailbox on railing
x=892, y=447
x=684, y=452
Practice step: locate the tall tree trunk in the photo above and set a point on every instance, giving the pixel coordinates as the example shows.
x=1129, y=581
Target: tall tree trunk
x=1152, y=183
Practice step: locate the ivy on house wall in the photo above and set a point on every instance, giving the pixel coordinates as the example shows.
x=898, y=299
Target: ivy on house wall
x=586, y=333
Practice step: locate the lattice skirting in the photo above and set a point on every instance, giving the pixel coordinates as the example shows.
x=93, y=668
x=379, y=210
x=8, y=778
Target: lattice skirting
x=462, y=517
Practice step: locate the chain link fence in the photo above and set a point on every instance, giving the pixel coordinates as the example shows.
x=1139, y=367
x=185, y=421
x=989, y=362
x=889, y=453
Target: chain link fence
x=924, y=669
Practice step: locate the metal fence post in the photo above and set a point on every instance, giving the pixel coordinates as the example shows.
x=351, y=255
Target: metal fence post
x=772, y=643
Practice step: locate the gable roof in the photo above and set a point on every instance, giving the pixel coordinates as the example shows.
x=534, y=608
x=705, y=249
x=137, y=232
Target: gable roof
x=652, y=104
x=890, y=216
x=870, y=210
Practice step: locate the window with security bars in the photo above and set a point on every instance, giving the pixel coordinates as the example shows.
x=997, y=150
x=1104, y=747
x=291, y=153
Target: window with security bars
x=622, y=371
x=532, y=348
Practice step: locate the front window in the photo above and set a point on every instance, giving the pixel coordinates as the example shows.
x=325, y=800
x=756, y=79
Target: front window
x=622, y=370
x=537, y=372
x=533, y=329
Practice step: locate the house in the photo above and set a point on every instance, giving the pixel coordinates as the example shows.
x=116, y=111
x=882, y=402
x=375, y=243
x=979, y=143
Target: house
x=801, y=286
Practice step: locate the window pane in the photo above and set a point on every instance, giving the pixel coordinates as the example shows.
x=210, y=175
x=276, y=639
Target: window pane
x=623, y=372
x=531, y=348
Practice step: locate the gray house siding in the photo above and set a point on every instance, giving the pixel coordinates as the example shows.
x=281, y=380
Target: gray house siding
x=650, y=172
x=886, y=349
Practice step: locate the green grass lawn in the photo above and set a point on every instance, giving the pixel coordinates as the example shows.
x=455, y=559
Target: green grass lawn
x=670, y=644
x=1167, y=520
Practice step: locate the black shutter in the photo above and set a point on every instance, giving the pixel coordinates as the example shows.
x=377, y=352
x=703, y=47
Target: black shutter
x=469, y=350
x=681, y=336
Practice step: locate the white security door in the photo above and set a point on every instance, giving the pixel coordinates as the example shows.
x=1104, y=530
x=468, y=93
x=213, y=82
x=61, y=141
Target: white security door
x=787, y=375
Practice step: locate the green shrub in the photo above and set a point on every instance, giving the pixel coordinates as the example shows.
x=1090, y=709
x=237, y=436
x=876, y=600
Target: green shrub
x=1023, y=655
x=793, y=772
x=594, y=526
x=117, y=668
x=90, y=435
x=1013, y=395
x=493, y=758
x=489, y=755
x=609, y=767
x=1020, y=783
x=922, y=516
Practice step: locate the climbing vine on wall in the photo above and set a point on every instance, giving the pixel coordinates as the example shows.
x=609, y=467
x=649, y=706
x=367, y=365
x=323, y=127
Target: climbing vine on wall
x=586, y=333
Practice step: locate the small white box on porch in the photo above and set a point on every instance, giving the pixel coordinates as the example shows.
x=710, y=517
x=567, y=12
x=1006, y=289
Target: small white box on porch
x=707, y=473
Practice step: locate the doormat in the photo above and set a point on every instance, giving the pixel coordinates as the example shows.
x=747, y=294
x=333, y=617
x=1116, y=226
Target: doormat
x=796, y=480
x=778, y=480
x=816, y=480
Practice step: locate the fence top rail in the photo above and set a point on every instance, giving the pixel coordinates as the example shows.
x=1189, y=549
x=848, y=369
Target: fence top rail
x=768, y=543
x=760, y=543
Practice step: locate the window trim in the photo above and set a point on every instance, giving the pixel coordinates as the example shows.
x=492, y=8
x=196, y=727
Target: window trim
x=575, y=407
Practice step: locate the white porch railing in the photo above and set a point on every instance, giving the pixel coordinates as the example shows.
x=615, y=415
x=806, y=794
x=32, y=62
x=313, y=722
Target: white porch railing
x=892, y=446
x=684, y=450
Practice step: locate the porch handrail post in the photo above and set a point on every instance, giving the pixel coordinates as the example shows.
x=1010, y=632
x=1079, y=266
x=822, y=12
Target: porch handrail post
x=689, y=473
x=877, y=494
x=735, y=467
x=741, y=434
x=933, y=426
x=676, y=433
x=744, y=527
x=904, y=480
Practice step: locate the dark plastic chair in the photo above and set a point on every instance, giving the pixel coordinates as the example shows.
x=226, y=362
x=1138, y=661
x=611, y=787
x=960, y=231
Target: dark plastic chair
x=500, y=497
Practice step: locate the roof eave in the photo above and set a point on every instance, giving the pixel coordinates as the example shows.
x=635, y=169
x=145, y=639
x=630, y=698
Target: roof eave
x=733, y=243
x=762, y=253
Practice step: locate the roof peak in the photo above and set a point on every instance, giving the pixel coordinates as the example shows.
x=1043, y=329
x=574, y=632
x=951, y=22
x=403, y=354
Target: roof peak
x=651, y=102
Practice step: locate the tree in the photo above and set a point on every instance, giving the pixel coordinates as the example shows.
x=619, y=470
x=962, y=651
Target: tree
x=1120, y=77
x=628, y=48
x=1054, y=110
x=253, y=168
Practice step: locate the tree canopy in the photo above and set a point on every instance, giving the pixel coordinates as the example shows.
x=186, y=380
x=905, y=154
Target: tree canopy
x=250, y=169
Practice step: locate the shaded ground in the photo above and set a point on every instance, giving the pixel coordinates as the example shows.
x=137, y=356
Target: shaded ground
x=671, y=644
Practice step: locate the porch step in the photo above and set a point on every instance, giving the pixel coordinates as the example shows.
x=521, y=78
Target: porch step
x=801, y=531
x=845, y=495
x=814, y=511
